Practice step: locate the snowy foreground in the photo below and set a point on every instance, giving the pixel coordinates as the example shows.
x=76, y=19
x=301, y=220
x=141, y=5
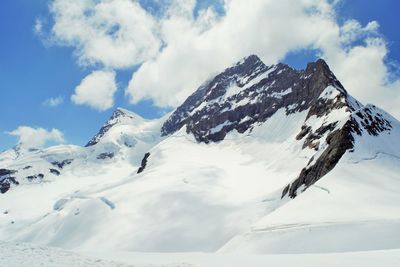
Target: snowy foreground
x=22, y=254
x=102, y=213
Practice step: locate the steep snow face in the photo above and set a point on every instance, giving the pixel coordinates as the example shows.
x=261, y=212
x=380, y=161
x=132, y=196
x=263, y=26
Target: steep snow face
x=353, y=208
x=126, y=134
x=8, y=156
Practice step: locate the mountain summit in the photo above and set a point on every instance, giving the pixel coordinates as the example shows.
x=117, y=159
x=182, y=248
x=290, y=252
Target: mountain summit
x=249, y=93
x=119, y=116
x=256, y=159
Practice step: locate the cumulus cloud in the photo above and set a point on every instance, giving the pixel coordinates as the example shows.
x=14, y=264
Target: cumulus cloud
x=38, y=27
x=96, y=90
x=36, y=137
x=270, y=29
x=113, y=33
x=352, y=30
x=178, y=50
x=53, y=101
x=267, y=28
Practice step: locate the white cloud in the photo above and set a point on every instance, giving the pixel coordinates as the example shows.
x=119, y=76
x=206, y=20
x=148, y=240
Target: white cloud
x=96, y=90
x=361, y=67
x=270, y=29
x=121, y=33
x=53, y=101
x=36, y=137
x=267, y=28
x=353, y=30
x=38, y=27
x=113, y=33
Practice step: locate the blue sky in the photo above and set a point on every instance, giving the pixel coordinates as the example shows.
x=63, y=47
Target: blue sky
x=32, y=71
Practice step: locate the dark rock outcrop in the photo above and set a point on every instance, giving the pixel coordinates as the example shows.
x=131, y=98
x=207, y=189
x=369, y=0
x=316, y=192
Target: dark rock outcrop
x=373, y=122
x=213, y=89
x=339, y=141
x=144, y=162
x=105, y=155
x=55, y=172
x=366, y=120
x=62, y=164
x=7, y=179
x=251, y=92
x=312, y=139
x=34, y=177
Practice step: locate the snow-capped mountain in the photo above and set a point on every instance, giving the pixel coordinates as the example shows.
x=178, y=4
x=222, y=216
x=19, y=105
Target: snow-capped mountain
x=123, y=139
x=251, y=92
x=256, y=159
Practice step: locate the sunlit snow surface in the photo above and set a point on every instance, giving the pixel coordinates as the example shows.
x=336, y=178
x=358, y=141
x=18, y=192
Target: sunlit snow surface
x=19, y=254
x=188, y=193
x=221, y=197
x=355, y=207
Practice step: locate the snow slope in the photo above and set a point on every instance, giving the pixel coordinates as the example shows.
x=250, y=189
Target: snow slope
x=119, y=147
x=20, y=254
x=219, y=177
x=222, y=196
x=355, y=207
x=187, y=193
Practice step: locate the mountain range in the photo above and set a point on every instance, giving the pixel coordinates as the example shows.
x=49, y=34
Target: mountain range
x=259, y=159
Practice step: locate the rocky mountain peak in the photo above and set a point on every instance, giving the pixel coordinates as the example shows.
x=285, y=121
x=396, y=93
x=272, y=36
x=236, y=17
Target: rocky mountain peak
x=250, y=92
x=247, y=63
x=238, y=74
x=121, y=112
x=319, y=65
x=120, y=115
x=322, y=75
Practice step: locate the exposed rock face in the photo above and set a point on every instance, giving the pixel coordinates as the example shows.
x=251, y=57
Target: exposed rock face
x=251, y=92
x=366, y=120
x=372, y=121
x=34, y=177
x=144, y=162
x=251, y=67
x=62, y=164
x=6, y=180
x=105, y=155
x=55, y=172
x=339, y=141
